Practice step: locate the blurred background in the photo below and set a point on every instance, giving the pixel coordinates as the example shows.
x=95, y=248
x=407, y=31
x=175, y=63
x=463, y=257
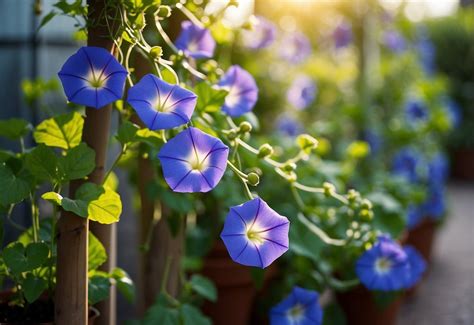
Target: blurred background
x=366, y=78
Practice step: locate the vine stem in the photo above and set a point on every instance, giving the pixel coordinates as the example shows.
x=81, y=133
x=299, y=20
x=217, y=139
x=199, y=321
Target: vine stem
x=119, y=156
x=320, y=233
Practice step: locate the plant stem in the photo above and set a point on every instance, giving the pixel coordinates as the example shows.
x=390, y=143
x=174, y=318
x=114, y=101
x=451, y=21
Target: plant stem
x=122, y=152
x=320, y=233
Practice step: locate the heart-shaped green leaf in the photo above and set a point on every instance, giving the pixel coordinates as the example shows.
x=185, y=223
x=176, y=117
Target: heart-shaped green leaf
x=33, y=287
x=42, y=162
x=62, y=131
x=19, y=260
x=78, y=163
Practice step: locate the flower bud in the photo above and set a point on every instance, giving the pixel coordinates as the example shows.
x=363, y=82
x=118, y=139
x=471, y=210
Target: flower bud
x=289, y=167
x=245, y=127
x=156, y=52
x=352, y=196
x=265, y=150
x=366, y=215
x=306, y=142
x=366, y=204
x=164, y=11
x=232, y=135
x=329, y=188
x=253, y=179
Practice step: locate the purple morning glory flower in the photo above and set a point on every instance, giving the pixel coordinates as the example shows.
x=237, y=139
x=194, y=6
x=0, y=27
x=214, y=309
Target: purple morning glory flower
x=405, y=164
x=416, y=111
x=342, y=35
x=300, y=307
x=302, y=92
x=295, y=47
x=394, y=41
x=193, y=161
x=384, y=267
x=92, y=77
x=417, y=266
x=161, y=105
x=243, y=91
x=254, y=234
x=288, y=125
x=195, y=41
x=261, y=36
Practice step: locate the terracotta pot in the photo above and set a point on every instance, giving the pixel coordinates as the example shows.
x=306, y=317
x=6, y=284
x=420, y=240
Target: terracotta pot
x=461, y=164
x=422, y=237
x=5, y=297
x=360, y=308
x=235, y=287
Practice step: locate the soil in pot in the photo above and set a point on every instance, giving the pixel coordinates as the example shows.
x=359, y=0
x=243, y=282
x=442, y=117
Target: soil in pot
x=360, y=308
x=235, y=287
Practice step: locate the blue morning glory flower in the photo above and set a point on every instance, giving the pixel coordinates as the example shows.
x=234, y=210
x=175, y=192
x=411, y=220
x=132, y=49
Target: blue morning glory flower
x=435, y=205
x=394, y=41
x=417, y=266
x=161, y=105
x=416, y=111
x=384, y=267
x=243, y=91
x=415, y=215
x=295, y=47
x=93, y=77
x=193, y=161
x=374, y=140
x=254, y=234
x=342, y=35
x=453, y=111
x=300, y=307
x=261, y=36
x=195, y=41
x=288, y=125
x=405, y=164
x=438, y=169
x=426, y=52
x=302, y=92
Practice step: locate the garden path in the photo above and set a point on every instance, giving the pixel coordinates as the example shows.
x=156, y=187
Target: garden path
x=447, y=295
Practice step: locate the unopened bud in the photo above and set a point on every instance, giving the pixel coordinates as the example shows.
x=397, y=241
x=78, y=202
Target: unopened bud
x=245, y=127
x=265, y=150
x=253, y=179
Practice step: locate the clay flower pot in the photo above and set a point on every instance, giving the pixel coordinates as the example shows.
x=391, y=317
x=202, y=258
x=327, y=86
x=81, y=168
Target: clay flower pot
x=462, y=162
x=235, y=287
x=360, y=308
x=422, y=237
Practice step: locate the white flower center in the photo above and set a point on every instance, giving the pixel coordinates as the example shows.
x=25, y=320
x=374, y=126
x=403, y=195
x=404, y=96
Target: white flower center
x=233, y=97
x=198, y=160
x=96, y=79
x=296, y=313
x=254, y=234
x=383, y=265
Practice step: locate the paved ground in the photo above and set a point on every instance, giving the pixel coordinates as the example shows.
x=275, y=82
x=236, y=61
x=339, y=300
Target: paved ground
x=447, y=295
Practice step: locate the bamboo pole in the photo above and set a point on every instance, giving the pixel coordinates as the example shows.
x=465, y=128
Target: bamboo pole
x=71, y=301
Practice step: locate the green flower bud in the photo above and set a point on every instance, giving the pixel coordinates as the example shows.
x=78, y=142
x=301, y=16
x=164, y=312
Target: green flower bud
x=329, y=189
x=366, y=215
x=232, y=135
x=289, y=167
x=265, y=150
x=156, y=52
x=306, y=142
x=253, y=179
x=245, y=127
x=366, y=204
x=164, y=11
x=352, y=196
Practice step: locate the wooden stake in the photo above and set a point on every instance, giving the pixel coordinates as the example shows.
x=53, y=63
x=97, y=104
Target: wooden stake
x=71, y=301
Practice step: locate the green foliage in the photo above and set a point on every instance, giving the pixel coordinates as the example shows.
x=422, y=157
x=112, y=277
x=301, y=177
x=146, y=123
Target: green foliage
x=19, y=185
x=127, y=133
x=204, y=287
x=78, y=162
x=99, y=288
x=14, y=128
x=209, y=99
x=20, y=259
x=96, y=253
x=33, y=287
x=62, y=131
x=124, y=284
x=43, y=163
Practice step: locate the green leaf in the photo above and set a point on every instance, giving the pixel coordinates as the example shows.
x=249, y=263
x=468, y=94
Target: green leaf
x=104, y=205
x=14, y=128
x=62, y=131
x=209, y=98
x=153, y=138
x=78, y=207
x=124, y=284
x=204, y=287
x=33, y=287
x=53, y=197
x=42, y=162
x=18, y=185
x=19, y=260
x=97, y=253
x=78, y=163
x=127, y=132
x=46, y=19
x=99, y=288
x=190, y=315
x=161, y=313
x=304, y=242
